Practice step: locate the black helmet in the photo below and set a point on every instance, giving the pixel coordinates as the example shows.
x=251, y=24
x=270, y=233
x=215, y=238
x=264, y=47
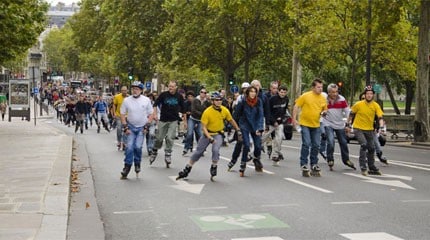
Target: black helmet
x=369, y=88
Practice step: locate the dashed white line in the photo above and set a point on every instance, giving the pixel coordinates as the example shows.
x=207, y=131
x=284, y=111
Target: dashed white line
x=347, y=203
x=308, y=185
x=207, y=208
x=133, y=212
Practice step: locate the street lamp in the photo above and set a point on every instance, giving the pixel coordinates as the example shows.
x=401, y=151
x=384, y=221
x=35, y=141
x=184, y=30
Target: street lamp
x=35, y=62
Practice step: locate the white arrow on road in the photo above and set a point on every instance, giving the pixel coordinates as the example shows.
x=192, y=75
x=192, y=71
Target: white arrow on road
x=394, y=183
x=187, y=187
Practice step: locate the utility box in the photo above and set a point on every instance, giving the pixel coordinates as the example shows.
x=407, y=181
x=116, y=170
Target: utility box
x=19, y=98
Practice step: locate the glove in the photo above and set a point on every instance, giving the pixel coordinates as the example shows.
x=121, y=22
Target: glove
x=239, y=136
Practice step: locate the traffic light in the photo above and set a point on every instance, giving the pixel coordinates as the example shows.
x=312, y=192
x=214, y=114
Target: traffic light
x=130, y=74
x=231, y=80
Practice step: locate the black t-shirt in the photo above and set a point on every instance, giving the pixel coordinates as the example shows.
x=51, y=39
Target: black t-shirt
x=170, y=106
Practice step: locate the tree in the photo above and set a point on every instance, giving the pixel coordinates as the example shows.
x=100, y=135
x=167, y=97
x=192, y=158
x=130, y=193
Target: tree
x=421, y=123
x=21, y=22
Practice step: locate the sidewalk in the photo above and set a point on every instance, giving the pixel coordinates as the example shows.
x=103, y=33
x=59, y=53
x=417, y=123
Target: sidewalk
x=35, y=164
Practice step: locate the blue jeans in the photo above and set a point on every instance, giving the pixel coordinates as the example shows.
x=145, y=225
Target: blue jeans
x=120, y=136
x=150, y=137
x=323, y=144
x=341, y=138
x=246, y=144
x=311, y=139
x=133, y=152
x=193, y=126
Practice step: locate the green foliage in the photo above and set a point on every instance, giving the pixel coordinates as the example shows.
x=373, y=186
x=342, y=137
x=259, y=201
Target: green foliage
x=21, y=22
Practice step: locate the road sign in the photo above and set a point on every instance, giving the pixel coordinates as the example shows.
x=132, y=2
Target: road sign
x=148, y=85
x=35, y=90
x=377, y=88
x=234, y=89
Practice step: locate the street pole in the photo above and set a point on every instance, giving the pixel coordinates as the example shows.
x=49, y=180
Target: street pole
x=40, y=102
x=34, y=96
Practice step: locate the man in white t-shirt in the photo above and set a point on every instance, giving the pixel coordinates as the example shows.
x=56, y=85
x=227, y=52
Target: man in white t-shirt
x=136, y=111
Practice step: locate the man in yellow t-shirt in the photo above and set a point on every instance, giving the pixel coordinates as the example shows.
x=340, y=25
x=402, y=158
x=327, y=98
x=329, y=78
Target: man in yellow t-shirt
x=312, y=106
x=213, y=130
x=117, y=102
x=363, y=114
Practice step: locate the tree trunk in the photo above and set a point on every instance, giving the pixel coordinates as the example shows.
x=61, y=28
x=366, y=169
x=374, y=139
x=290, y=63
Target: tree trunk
x=421, y=124
x=296, y=78
x=390, y=93
x=409, y=96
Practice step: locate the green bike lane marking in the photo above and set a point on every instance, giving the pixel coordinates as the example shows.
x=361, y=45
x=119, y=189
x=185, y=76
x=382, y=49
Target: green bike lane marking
x=237, y=222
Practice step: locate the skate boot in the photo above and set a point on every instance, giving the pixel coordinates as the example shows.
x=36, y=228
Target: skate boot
x=374, y=171
x=330, y=164
x=76, y=128
x=125, y=171
x=382, y=159
x=242, y=169
x=230, y=165
x=281, y=157
x=184, y=152
x=213, y=171
x=269, y=151
x=184, y=173
x=168, y=159
x=305, y=171
x=98, y=129
x=275, y=161
x=137, y=169
x=364, y=172
x=258, y=165
x=350, y=164
x=153, y=156
x=315, y=171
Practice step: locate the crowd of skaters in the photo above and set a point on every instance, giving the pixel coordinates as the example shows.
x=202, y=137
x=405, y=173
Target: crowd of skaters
x=251, y=121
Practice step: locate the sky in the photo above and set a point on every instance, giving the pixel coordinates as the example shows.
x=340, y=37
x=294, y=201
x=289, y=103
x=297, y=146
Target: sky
x=67, y=2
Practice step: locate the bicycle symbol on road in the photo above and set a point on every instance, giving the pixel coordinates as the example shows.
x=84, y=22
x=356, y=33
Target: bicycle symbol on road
x=237, y=222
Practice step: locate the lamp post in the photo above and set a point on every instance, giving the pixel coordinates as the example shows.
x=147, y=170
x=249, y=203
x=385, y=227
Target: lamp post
x=35, y=61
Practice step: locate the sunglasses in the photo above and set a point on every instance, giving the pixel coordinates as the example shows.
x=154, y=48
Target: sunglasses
x=203, y=92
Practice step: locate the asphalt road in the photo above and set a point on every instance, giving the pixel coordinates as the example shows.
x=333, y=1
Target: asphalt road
x=276, y=204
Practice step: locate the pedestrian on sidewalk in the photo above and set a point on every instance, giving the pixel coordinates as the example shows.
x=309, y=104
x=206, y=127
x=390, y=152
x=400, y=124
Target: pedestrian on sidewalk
x=312, y=105
x=363, y=113
x=3, y=107
x=213, y=130
x=136, y=112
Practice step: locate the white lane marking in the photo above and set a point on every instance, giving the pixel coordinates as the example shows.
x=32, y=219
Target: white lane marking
x=308, y=185
x=259, y=238
x=370, y=236
x=411, y=163
x=187, y=187
x=407, y=178
x=392, y=162
x=133, y=212
x=347, y=203
x=281, y=205
x=207, y=208
x=415, y=201
x=394, y=183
